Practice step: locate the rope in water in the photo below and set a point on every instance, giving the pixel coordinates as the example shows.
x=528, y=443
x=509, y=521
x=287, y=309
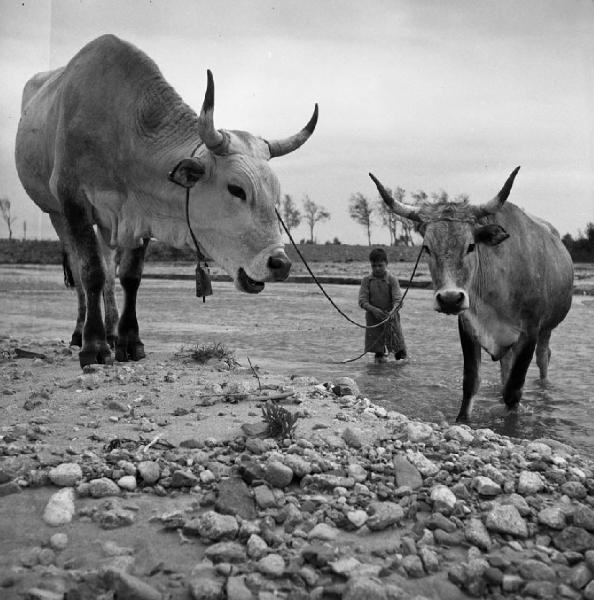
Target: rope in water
x=390, y=314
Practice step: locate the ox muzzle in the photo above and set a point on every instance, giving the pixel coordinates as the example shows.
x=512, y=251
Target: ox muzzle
x=450, y=302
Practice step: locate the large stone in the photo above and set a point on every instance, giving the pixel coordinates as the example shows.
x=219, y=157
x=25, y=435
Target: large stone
x=66, y=474
x=352, y=437
x=530, y=482
x=418, y=432
x=184, y=478
x=229, y=552
x=60, y=508
x=297, y=464
x=426, y=467
x=234, y=498
x=130, y=587
x=574, y=538
x=213, y=526
x=460, y=433
x=476, y=533
x=485, y=486
x=322, y=531
x=442, y=497
x=271, y=565
x=505, y=518
x=406, y=473
x=583, y=516
x=237, y=589
x=149, y=471
x=358, y=588
x=553, y=517
x=277, y=474
x=384, y=514
x=103, y=487
x=206, y=588
x=536, y=570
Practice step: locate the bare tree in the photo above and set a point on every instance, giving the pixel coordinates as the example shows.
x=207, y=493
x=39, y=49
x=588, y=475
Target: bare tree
x=361, y=211
x=9, y=219
x=290, y=213
x=313, y=213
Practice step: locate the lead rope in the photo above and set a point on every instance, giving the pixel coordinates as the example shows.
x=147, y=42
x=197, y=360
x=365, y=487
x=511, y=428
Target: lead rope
x=390, y=314
x=203, y=284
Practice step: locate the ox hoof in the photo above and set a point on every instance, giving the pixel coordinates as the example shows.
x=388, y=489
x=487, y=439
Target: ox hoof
x=95, y=357
x=76, y=339
x=462, y=418
x=130, y=351
x=111, y=341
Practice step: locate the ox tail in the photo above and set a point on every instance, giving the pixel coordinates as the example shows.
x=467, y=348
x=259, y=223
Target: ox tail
x=68, y=277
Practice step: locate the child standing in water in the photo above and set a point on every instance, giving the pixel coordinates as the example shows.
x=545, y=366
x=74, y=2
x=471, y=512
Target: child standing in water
x=378, y=295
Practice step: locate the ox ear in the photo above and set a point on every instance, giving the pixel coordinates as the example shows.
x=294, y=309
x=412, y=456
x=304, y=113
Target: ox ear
x=490, y=235
x=187, y=172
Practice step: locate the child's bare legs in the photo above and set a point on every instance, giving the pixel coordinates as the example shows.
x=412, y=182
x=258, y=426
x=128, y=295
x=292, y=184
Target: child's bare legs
x=380, y=357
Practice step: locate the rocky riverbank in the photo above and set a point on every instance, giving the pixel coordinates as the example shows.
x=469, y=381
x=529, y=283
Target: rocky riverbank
x=160, y=479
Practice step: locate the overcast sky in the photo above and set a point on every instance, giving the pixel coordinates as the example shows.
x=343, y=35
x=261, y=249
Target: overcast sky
x=426, y=94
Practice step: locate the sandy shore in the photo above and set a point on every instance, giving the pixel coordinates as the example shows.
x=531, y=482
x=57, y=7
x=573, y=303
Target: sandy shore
x=160, y=479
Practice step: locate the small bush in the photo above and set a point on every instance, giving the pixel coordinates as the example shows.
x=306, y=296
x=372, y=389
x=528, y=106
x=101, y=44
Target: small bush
x=281, y=423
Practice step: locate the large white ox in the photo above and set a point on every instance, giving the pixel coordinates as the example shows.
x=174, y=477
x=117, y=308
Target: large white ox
x=105, y=141
x=506, y=275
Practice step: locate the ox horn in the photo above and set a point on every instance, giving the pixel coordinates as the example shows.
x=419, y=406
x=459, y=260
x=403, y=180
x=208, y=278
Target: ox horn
x=404, y=210
x=282, y=147
x=214, y=140
x=491, y=207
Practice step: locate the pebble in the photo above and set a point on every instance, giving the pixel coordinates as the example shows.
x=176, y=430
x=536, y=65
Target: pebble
x=460, y=433
x=65, y=474
x=125, y=585
x=352, y=437
x=60, y=508
x=264, y=496
x=213, y=526
x=583, y=516
x=419, y=432
x=406, y=473
x=58, y=541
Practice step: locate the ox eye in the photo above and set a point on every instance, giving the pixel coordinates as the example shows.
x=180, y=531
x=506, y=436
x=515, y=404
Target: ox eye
x=470, y=248
x=237, y=191
x=426, y=248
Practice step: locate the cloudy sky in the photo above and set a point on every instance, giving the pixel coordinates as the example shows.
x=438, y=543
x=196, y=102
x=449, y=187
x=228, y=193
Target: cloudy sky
x=426, y=94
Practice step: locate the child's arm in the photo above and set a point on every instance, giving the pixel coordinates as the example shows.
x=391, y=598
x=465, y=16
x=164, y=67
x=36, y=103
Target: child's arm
x=364, y=302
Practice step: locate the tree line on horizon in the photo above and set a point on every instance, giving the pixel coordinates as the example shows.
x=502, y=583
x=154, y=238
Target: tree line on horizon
x=364, y=212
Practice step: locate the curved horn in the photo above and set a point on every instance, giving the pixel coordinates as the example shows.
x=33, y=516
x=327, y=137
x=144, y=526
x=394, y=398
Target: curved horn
x=281, y=147
x=399, y=208
x=491, y=207
x=214, y=140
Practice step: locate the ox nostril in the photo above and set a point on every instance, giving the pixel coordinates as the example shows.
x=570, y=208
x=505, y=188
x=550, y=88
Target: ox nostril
x=276, y=262
x=280, y=267
x=451, y=301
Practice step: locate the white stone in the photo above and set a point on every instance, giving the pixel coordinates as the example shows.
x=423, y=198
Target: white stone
x=127, y=482
x=60, y=508
x=419, y=432
x=460, y=433
x=441, y=495
x=425, y=466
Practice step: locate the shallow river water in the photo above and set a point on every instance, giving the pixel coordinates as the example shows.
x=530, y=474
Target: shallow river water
x=292, y=329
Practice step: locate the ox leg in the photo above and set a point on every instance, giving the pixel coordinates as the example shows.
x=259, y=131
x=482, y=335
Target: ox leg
x=109, y=298
x=92, y=274
x=543, y=354
x=471, y=350
x=73, y=265
x=505, y=363
x=523, y=352
x=128, y=345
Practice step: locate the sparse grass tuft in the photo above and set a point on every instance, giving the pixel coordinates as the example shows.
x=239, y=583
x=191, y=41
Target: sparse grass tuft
x=281, y=422
x=204, y=353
